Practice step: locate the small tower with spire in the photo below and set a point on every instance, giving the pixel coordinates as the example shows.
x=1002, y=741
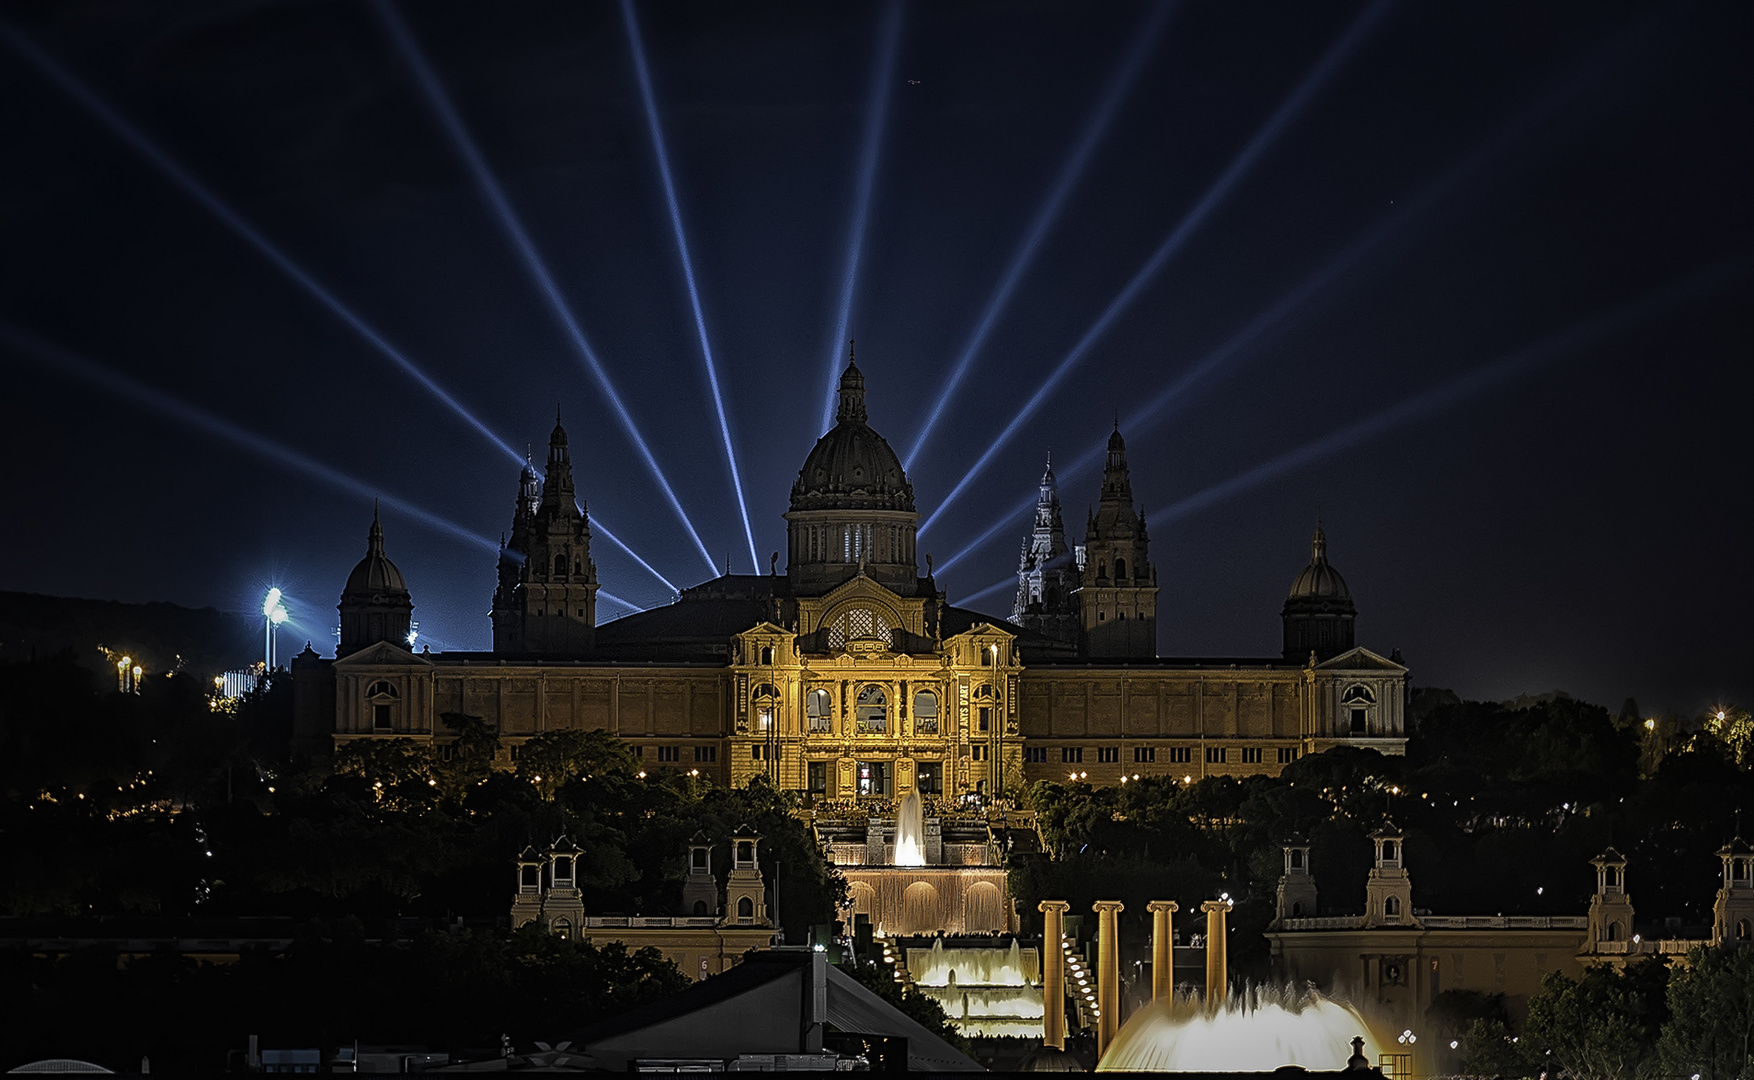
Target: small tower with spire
x=375, y=605
x=1318, y=615
x=545, y=603
x=1610, y=906
x=1117, y=591
x=1733, y=911
x=1047, y=578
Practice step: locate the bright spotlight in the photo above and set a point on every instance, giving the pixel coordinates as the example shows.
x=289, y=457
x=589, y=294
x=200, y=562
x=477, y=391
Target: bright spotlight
x=1144, y=42
x=271, y=601
x=526, y=250
x=876, y=113
x=1172, y=244
x=143, y=146
x=64, y=362
x=1580, y=336
x=278, y=615
x=637, y=45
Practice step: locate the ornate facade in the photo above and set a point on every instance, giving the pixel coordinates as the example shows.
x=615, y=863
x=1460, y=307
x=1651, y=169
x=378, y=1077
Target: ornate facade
x=850, y=676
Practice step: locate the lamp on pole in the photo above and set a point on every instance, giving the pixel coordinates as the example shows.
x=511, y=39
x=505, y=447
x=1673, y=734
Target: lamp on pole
x=273, y=614
x=995, y=775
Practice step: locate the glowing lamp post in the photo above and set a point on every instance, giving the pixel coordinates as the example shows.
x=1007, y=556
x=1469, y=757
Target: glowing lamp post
x=273, y=614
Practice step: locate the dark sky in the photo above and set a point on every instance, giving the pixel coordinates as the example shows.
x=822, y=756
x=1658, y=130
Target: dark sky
x=1468, y=181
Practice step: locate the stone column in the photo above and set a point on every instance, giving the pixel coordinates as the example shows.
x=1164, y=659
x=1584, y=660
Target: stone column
x=1053, y=973
x=1108, y=973
x=1217, y=977
x=1162, y=950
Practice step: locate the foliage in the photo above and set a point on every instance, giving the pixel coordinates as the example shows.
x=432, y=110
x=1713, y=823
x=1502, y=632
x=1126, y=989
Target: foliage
x=441, y=990
x=1712, y=1002
x=1603, y=1026
x=1490, y=1048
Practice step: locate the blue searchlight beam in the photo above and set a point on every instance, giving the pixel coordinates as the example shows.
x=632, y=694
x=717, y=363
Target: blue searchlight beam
x=1144, y=42
x=876, y=115
x=526, y=250
x=637, y=45
x=138, y=141
x=1220, y=189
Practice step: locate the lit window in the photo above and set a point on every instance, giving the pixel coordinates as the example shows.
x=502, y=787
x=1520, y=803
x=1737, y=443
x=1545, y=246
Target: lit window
x=872, y=712
x=926, y=712
x=819, y=710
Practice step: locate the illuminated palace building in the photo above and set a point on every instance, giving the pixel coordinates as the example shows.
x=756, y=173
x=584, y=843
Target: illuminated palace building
x=849, y=676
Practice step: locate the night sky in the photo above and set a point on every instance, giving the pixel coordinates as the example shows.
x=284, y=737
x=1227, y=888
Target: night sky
x=1470, y=280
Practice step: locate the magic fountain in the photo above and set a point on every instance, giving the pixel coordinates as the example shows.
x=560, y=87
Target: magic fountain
x=1256, y=1031
x=919, y=875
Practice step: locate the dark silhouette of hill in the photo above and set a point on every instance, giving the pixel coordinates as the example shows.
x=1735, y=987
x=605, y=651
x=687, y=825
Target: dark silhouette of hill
x=159, y=636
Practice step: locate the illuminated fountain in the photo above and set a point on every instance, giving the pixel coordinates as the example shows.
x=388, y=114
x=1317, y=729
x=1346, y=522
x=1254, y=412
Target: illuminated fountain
x=987, y=991
x=1257, y=1031
x=910, y=831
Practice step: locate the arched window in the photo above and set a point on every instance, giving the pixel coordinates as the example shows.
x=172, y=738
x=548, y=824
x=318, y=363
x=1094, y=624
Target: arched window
x=819, y=710
x=700, y=908
x=767, y=655
x=1296, y=908
x=1358, y=695
x=926, y=712
x=1613, y=931
x=1741, y=929
x=381, y=698
x=1120, y=569
x=745, y=908
x=1391, y=908
x=767, y=698
x=563, y=927
x=560, y=564
x=872, y=712
x=856, y=624
x=1102, y=570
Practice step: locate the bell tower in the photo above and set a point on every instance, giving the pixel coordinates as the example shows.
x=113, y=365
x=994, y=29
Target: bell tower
x=1610, y=907
x=1117, y=592
x=745, y=893
x=1297, y=887
x=1047, y=579
x=1388, y=891
x=546, y=601
x=1733, y=913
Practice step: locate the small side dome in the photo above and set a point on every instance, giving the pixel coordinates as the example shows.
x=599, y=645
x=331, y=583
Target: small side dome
x=1319, y=580
x=375, y=575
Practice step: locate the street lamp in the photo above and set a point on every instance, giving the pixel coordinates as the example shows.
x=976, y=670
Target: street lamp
x=273, y=614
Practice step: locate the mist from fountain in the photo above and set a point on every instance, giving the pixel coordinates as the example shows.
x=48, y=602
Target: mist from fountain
x=1258, y=1030
x=910, y=831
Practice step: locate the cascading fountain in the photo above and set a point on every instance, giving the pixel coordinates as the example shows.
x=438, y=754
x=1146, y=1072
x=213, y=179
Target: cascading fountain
x=1256, y=1031
x=988, y=991
x=910, y=831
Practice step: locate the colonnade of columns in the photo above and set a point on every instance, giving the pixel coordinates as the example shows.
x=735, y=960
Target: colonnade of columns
x=1108, y=1018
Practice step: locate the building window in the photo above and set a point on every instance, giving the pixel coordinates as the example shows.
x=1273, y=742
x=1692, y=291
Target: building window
x=1358, y=699
x=873, y=709
x=1144, y=754
x=1251, y=755
x=931, y=778
x=745, y=908
x=669, y=753
x=1181, y=755
x=1036, y=754
x=1287, y=754
x=979, y=752
x=1360, y=721
x=563, y=871
x=855, y=624
x=706, y=753
x=1297, y=858
x=560, y=565
x=819, y=711
x=1120, y=569
x=1214, y=755
x=1108, y=755
x=926, y=712
x=381, y=696
x=816, y=777
x=1071, y=755
x=767, y=655
x=872, y=777
x=1391, y=912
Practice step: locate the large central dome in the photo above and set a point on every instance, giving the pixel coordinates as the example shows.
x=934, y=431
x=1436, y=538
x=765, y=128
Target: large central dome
x=852, y=467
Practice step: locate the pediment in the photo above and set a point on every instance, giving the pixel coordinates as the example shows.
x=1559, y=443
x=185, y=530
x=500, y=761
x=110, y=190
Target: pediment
x=384, y=654
x=1361, y=659
x=861, y=587
x=765, y=627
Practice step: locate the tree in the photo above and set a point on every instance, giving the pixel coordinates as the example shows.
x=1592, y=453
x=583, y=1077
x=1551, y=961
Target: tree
x=1603, y=1026
x=552, y=758
x=1711, y=1032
